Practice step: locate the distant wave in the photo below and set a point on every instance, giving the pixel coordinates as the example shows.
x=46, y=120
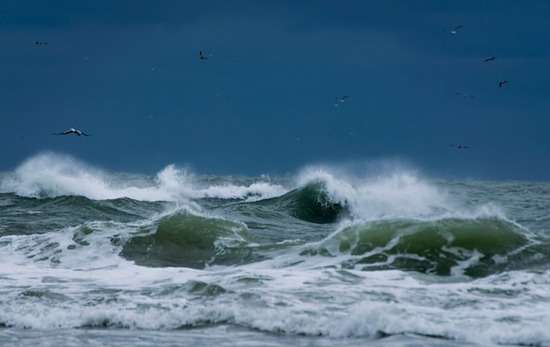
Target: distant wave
x=394, y=194
x=51, y=175
x=319, y=195
x=323, y=195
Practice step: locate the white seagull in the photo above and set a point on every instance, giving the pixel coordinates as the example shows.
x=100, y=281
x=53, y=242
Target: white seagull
x=455, y=30
x=73, y=131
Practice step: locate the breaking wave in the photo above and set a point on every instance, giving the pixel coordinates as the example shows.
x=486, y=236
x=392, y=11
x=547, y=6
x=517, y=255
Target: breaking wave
x=310, y=203
x=324, y=253
x=51, y=175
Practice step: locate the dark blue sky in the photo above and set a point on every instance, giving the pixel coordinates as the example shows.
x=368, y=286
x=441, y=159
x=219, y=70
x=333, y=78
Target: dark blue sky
x=128, y=72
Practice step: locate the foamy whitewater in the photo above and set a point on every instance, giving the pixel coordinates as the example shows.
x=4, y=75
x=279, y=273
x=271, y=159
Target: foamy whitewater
x=326, y=257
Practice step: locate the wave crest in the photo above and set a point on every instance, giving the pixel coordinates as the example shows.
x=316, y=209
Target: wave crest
x=52, y=175
x=396, y=194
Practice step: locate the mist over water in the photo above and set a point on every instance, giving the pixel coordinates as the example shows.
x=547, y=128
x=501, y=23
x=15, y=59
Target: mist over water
x=384, y=256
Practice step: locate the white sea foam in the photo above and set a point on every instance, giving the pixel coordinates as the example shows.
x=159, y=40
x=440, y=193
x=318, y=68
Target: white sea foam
x=395, y=194
x=92, y=286
x=50, y=174
x=291, y=301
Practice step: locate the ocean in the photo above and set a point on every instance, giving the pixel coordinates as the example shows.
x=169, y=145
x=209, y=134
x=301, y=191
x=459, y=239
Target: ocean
x=323, y=257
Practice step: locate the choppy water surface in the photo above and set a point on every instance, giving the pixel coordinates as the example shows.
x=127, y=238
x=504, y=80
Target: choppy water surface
x=319, y=259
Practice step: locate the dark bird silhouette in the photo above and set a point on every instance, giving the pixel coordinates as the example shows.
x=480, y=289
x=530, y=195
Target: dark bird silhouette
x=465, y=95
x=72, y=131
x=341, y=100
x=459, y=146
x=488, y=59
x=203, y=56
x=455, y=30
x=502, y=83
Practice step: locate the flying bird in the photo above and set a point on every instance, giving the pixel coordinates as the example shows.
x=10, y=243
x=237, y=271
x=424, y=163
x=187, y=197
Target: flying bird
x=203, y=56
x=455, y=30
x=73, y=131
x=488, y=59
x=340, y=100
x=465, y=95
x=459, y=146
x=502, y=83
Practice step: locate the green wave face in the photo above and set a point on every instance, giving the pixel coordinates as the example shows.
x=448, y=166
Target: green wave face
x=190, y=241
x=310, y=203
x=477, y=247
